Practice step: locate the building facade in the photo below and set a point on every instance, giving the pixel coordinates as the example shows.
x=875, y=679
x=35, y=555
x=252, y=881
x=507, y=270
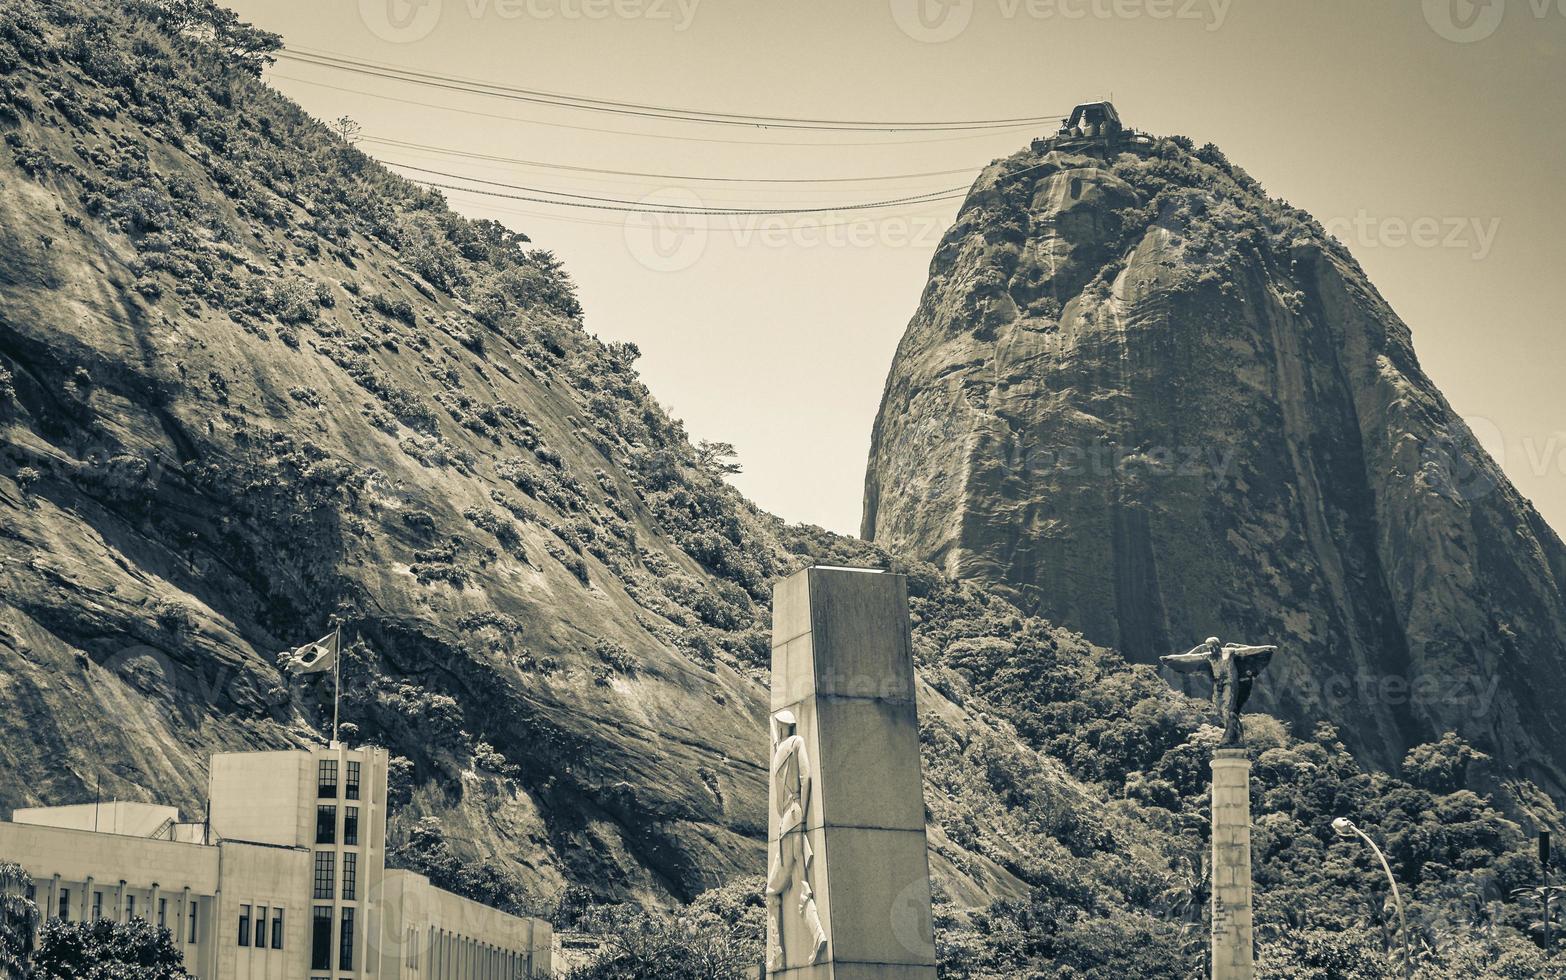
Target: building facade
x=285, y=880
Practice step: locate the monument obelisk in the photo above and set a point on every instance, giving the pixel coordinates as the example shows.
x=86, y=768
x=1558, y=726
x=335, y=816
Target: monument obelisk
x=848, y=880
x=1233, y=670
x=1232, y=935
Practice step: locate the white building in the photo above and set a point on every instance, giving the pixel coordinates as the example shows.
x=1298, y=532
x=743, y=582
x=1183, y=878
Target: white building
x=285, y=881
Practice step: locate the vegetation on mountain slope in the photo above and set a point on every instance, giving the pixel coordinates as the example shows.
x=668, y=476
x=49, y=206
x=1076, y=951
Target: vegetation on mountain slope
x=255, y=385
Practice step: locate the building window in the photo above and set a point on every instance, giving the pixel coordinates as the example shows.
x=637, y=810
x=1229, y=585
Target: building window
x=351, y=826
x=258, y=930
x=345, y=952
x=130, y=907
x=350, y=876
x=351, y=791
x=163, y=913
x=321, y=939
x=277, y=928
x=97, y=906
x=244, y=925
x=326, y=779
x=65, y=905
x=325, y=869
x=326, y=824
x=193, y=908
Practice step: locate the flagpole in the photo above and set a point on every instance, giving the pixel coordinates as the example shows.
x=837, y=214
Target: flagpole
x=337, y=686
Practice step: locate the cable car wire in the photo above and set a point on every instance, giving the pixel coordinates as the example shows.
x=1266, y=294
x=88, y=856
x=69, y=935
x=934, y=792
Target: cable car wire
x=644, y=110
x=659, y=176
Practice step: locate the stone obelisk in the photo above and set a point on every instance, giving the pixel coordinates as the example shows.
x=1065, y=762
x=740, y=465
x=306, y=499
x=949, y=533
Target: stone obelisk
x=848, y=881
x=1233, y=950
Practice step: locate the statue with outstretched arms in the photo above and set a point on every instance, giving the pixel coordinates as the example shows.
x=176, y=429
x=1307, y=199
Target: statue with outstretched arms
x=1233, y=669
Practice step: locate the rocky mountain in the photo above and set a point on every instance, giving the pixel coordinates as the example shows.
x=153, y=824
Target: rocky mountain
x=1146, y=401
x=253, y=386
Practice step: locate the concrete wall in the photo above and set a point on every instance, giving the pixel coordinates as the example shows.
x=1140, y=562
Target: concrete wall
x=274, y=877
x=266, y=797
x=183, y=878
x=109, y=817
x=434, y=935
x=77, y=855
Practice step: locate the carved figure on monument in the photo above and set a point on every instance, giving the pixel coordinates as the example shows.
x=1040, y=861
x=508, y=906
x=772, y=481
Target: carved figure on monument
x=791, y=863
x=1233, y=670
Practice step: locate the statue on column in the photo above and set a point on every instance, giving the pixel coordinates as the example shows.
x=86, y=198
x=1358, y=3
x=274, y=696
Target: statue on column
x=1233, y=670
x=791, y=864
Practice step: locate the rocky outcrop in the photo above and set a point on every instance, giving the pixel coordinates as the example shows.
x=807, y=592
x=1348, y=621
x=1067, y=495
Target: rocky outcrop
x=252, y=385
x=1145, y=401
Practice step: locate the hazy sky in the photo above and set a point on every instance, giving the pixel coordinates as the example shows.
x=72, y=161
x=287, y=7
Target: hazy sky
x=1429, y=134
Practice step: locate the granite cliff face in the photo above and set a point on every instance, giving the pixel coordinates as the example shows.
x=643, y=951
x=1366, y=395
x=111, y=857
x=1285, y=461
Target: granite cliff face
x=1145, y=401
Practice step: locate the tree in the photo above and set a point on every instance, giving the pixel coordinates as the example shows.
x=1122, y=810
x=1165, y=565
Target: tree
x=1440, y=767
x=428, y=852
x=107, y=950
x=346, y=129
x=18, y=917
x=642, y=945
x=246, y=46
x=718, y=457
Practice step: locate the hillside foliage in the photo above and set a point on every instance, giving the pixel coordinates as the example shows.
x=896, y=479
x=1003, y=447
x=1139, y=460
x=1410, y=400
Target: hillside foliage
x=1087, y=783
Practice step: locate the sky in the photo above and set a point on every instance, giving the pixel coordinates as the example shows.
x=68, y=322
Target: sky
x=1429, y=135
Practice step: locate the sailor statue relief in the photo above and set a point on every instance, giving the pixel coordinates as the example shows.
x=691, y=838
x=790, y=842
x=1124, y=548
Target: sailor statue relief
x=791, y=864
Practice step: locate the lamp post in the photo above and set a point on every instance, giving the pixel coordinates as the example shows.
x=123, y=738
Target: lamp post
x=1544, y=872
x=1344, y=827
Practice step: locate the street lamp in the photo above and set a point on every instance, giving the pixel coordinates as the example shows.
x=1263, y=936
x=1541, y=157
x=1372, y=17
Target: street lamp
x=1344, y=827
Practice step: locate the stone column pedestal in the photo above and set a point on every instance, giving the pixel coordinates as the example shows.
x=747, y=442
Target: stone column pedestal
x=1233, y=949
x=843, y=717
